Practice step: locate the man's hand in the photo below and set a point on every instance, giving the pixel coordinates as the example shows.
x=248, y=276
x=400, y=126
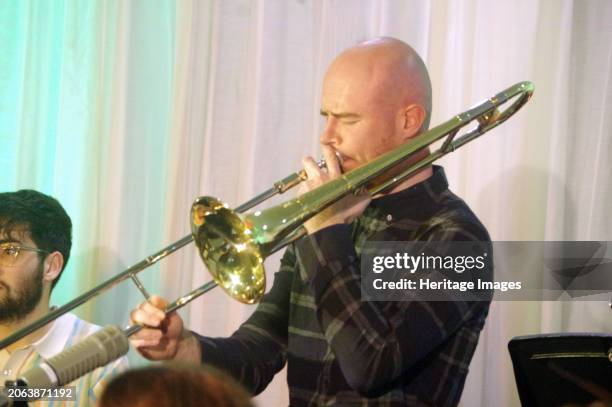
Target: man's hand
x=343, y=211
x=163, y=336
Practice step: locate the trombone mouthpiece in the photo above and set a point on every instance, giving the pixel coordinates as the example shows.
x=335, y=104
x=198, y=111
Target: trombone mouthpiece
x=322, y=164
x=340, y=159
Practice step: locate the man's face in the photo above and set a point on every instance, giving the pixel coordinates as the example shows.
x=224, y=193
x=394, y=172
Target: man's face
x=361, y=116
x=21, y=285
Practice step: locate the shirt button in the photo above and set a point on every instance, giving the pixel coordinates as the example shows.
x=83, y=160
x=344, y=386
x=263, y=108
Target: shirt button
x=389, y=218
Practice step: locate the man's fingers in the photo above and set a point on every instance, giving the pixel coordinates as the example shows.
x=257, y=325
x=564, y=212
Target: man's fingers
x=310, y=166
x=150, y=336
x=147, y=314
x=363, y=199
x=150, y=353
x=364, y=196
x=142, y=344
x=160, y=335
x=152, y=309
x=158, y=301
x=360, y=204
x=331, y=162
x=146, y=338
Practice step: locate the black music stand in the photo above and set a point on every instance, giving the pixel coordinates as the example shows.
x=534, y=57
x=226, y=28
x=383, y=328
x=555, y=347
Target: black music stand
x=562, y=369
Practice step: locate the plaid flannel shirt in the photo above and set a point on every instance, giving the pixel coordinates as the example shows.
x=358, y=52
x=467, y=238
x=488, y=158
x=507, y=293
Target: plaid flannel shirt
x=344, y=351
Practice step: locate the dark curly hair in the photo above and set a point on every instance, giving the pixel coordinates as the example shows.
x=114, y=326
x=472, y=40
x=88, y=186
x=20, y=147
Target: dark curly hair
x=42, y=216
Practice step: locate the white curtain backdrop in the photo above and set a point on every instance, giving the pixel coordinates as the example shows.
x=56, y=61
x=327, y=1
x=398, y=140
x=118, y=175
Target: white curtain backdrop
x=221, y=98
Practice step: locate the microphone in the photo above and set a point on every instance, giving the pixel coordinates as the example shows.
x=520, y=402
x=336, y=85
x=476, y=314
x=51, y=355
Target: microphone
x=94, y=351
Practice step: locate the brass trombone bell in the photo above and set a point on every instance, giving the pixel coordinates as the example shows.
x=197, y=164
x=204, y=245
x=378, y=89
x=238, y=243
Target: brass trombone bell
x=231, y=256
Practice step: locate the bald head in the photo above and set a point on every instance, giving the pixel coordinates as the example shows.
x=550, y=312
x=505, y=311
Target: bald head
x=393, y=71
x=376, y=97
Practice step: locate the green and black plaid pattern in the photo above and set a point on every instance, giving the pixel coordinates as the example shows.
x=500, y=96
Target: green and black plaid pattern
x=342, y=351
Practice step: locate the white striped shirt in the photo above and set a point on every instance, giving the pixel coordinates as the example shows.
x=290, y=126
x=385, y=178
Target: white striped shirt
x=65, y=332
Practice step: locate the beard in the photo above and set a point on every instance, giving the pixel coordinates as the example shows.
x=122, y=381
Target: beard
x=14, y=308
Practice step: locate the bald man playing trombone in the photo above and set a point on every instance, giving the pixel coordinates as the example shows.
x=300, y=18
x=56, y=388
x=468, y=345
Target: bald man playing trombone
x=339, y=349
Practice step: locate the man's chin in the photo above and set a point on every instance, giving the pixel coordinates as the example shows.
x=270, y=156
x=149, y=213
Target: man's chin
x=15, y=308
x=12, y=312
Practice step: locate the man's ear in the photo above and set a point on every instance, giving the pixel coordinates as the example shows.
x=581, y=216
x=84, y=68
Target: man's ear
x=53, y=266
x=413, y=117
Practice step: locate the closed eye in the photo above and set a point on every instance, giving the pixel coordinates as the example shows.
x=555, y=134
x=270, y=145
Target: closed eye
x=344, y=117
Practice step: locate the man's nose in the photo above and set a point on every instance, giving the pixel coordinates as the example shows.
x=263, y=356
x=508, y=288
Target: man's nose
x=330, y=135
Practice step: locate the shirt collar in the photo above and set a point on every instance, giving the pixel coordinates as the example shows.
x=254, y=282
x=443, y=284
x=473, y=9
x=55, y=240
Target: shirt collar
x=54, y=341
x=416, y=197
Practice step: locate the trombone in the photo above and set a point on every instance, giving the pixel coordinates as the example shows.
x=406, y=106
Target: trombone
x=233, y=246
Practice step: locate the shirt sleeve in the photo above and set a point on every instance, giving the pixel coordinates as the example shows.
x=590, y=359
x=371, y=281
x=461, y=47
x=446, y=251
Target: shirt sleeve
x=257, y=350
x=376, y=342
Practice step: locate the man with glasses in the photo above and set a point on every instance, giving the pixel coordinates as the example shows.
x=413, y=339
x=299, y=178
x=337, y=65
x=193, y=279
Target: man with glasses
x=35, y=242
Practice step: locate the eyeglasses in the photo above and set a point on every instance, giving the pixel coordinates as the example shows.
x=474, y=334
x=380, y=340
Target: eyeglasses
x=9, y=252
